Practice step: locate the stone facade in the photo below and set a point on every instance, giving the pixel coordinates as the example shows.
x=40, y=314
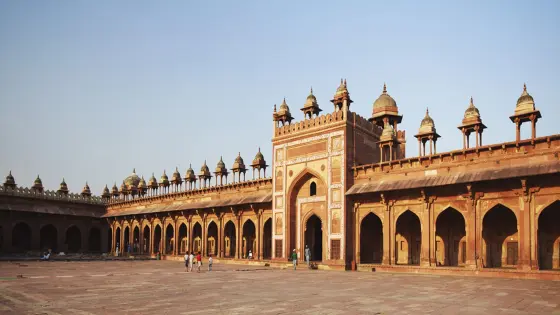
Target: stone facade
x=342, y=185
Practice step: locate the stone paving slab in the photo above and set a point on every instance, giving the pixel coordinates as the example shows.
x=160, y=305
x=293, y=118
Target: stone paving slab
x=163, y=287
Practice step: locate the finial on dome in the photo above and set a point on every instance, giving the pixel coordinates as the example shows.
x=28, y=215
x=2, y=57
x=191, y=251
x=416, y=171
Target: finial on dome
x=275, y=108
x=341, y=82
x=344, y=82
x=384, y=88
x=311, y=92
x=427, y=111
x=524, y=87
x=134, y=170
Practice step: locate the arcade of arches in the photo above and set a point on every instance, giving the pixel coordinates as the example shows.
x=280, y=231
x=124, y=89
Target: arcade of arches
x=219, y=236
x=28, y=232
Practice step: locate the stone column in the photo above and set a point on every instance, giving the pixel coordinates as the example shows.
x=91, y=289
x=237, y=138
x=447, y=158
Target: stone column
x=204, y=245
x=220, y=239
x=524, y=259
x=388, y=233
x=239, y=239
x=357, y=231
x=175, y=237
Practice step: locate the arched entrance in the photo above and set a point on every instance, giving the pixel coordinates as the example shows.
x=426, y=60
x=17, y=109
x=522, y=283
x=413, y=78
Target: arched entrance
x=146, y=240
x=118, y=245
x=126, y=240
x=197, y=238
x=135, y=240
x=371, y=240
x=249, y=239
x=94, y=240
x=499, y=231
x=229, y=240
x=169, y=240
x=549, y=237
x=183, y=240
x=73, y=239
x=21, y=237
x=157, y=239
x=451, y=243
x=48, y=238
x=267, y=239
x=212, y=236
x=305, y=185
x=408, y=239
x=314, y=237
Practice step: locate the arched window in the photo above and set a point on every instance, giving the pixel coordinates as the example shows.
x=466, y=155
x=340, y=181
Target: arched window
x=312, y=189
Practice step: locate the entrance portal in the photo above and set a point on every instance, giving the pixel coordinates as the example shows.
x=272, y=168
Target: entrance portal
x=48, y=238
x=408, y=239
x=267, y=239
x=371, y=240
x=248, y=239
x=229, y=240
x=314, y=237
x=73, y=239
x=549, y=237
x=183, y=238
x=169, y=241
x=450, y=234
x=499, y=231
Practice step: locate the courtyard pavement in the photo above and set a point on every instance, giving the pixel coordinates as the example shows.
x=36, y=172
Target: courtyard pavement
x=162, y=287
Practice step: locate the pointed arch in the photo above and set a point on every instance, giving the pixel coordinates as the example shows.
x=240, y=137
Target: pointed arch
x=73, y=239
x=297, y=189
x=212, y=239
x=230, y=239
x=267, y=239
x=371, y=239
x=157, y=239
x=169, y=239
x=197, y=237
x=450, y=238
x=183, y=238
x=408, y=239
x=48, y=238
x=500, y=235
x=549, y=236
x=21, y=237
x=146, y=237
x=313, y=237
x=94, y=239
x=249, y=238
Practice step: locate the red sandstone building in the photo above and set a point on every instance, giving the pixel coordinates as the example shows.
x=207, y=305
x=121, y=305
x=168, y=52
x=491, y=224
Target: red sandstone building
x=342, y=185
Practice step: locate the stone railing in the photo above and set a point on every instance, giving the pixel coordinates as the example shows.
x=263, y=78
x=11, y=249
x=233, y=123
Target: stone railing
x=230, y=187
x=494, y=151
x=50, y=195
x=309, y=123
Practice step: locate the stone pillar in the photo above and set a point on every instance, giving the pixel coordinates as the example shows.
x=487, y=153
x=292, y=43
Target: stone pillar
x=61, y=237
x=220, y=239
x=524, y=261
x=239, y=239
x=175, y=238
x=471, y=230
x=104, y=240
x=357, y=231
x=427, y=251
x=388, y=233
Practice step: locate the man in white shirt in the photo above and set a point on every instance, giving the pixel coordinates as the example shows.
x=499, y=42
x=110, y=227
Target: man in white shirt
x=191, y=259
x=187, y=261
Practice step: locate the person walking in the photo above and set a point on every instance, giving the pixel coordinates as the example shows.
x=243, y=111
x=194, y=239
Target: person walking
x=117, y=250
x=307, y=255
x=210, y=261
x=294, y=258
x=186, y=262
x=198, y=262
x=191, y=261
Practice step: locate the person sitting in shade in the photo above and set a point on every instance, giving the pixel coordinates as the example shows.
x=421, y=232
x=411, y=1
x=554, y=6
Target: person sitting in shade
x=47, y=255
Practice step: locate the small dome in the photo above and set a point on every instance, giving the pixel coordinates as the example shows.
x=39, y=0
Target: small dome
x=176, y=178
x=10, y=181
x=38, y=184
x=63, y=187
x=142, y=183
x=384, y=100
x=152, y=183
x=123, y=189
x=106, y=193
x=86, y=191
x=427, y=125
x=190, y=176
x=204, y=170
x=133, y=179
x=238, y=164
x=221, y=166
x=525, y=102
x=342, y=88
x=388, y=133
x=311, y=100
x=115, y=190
x=472, y=111
x=164, y=180
x=259, y=161
x=284, y=109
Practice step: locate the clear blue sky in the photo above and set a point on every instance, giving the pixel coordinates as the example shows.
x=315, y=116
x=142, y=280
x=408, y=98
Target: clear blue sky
x=91, y=89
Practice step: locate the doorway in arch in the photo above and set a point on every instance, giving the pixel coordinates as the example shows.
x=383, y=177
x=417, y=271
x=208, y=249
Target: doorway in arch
x=314, y=238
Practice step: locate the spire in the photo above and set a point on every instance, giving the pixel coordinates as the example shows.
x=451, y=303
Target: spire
x=311, y=92
x=344, y=82
x=134, y=170
x=384, y=88
x=275, y=108
x=524, y=87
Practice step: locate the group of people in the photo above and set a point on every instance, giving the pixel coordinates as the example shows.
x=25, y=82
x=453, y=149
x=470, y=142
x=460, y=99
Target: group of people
x=307, y=256
x=190, y=261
